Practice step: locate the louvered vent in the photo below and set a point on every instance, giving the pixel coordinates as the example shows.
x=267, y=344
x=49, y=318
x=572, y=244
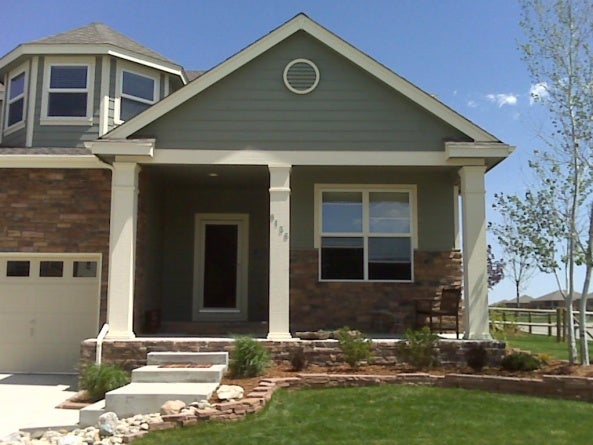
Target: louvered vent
x=301, y=76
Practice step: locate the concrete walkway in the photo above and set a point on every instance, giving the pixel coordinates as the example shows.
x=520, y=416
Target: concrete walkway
x=29, y=400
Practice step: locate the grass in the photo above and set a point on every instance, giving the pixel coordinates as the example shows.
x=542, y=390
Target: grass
x=537, y=344
x=396, y=415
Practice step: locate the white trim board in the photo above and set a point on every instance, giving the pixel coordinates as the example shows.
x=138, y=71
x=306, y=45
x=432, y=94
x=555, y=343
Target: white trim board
x=303, y=23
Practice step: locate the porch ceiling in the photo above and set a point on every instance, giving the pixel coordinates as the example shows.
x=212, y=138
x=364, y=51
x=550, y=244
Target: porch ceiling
x=212, y=175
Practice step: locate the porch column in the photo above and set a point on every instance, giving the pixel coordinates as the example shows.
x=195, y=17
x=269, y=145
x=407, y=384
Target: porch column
x=122, y=249
x=279, y=252
x=475, y=287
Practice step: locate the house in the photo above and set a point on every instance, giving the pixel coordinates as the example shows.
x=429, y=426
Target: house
x=552, y=300
x=297, y=185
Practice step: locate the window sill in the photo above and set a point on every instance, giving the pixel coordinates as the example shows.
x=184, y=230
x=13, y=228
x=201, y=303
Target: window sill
x=14, y=128
x=85, y=121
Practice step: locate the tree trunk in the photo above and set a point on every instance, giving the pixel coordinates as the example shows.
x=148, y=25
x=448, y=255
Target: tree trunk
x=583, y=305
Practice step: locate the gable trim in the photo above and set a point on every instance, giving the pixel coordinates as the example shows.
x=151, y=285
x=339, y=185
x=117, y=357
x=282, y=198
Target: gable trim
x=298, y=23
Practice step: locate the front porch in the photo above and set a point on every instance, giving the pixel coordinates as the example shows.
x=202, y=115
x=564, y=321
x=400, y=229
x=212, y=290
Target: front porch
x=274, y=279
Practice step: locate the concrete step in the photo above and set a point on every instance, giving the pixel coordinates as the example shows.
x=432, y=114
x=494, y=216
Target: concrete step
x=211, y=358
x=145, y=398
x=89, y=415
x=156, y=374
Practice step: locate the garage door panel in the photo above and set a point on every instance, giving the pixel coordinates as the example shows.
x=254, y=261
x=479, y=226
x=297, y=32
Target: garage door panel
x=43, y=319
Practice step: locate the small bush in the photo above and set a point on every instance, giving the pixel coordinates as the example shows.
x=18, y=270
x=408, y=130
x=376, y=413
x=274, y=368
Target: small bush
x=100, y=379
x=520, y=361
x=420, y=348
x=249, y=358
x=476, y=358
x=355, y=346
x=298, y=360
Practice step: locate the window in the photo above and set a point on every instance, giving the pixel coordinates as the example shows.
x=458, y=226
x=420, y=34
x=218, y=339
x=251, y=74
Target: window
x=366, y=234
x=51, y=269
x=15, y=100
x=68, y=97
x=137, y=92
x=84, y=269
x=18, y=268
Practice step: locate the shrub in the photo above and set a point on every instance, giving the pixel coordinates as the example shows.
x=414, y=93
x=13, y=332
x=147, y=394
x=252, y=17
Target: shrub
x=476, y=357
x=420, y=348
x=100, y=379
x=249, y=358
x=355, y=346
x=298, y=360
x=520, y=361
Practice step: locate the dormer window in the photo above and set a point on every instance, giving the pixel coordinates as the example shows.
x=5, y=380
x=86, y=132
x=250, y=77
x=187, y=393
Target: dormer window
x=67, y=96
x=15, y=99
x=137, y=90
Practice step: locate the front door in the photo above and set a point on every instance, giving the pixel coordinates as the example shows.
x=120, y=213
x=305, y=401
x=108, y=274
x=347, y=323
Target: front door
x=220, y=276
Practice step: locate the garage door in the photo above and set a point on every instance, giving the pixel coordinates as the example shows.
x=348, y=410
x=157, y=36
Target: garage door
x=48, y=305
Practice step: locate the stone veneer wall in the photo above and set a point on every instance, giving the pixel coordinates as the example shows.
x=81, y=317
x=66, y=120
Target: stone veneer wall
x=318, y=305
x=132, y=354
x=55, y=211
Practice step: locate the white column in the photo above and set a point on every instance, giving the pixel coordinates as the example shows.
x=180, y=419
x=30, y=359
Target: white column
x=475, y=287
x=122, y=249
x=279, y=252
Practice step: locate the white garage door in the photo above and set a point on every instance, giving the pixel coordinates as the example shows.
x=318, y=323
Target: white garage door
x=48, y=305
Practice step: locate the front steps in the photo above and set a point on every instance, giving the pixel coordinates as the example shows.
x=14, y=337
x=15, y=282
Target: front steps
x=152, y=385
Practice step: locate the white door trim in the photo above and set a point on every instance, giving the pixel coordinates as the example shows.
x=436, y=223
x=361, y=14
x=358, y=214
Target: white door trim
x=241, y=220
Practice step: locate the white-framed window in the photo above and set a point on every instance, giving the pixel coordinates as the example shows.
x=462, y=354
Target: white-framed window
x=366, y=232
x=16, y=96
x=137, y=89
x=68, y=91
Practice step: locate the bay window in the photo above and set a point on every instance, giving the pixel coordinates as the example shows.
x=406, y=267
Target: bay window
x=67, y=95
x=366, y=233
x=15, y=98
x=137, y=91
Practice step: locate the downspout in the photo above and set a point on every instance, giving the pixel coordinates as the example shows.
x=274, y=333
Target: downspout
x=100, y=338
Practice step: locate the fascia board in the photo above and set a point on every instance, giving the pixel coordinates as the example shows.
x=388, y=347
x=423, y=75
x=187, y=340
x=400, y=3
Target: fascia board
x=144, y=147
x=477, y=150
x=204, y=81
x=86, y=49
x=302, y=22
x=51, y=161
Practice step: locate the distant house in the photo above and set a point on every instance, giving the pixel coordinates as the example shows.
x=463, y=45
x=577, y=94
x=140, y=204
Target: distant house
x=524, y=302
x=297, y=185
x=552, y=300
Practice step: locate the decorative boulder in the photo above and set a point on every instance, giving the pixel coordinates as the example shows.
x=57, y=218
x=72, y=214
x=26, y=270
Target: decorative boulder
x=229, y=392
x=172, y=407
x=107, y=424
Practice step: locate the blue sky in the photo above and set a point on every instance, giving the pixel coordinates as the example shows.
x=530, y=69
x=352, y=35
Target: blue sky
x=463, y=51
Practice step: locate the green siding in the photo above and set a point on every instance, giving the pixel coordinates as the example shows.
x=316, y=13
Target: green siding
x=435, y=200
x=181, y=204
x=349, y=110
x=66, y=135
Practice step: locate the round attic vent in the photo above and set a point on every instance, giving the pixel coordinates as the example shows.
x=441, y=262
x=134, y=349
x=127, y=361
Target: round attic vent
x=301, y=76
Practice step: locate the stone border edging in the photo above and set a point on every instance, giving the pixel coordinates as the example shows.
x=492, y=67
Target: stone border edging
x=564, y=387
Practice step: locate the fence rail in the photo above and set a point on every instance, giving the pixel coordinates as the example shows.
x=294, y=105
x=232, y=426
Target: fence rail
x=544, y=321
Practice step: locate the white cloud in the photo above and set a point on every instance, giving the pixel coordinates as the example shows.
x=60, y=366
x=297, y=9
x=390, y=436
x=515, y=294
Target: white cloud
x=539, y=91
x=472, y=103
x=502, y=99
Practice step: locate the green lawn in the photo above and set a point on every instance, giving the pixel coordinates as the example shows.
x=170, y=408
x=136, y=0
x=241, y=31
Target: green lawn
x=396, y=415
x=537, y=344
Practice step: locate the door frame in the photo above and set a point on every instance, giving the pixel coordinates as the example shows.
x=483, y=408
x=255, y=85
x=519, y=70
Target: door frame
x=239, y=312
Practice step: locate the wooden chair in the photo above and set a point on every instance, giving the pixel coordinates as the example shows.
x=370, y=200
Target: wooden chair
x=447, y=305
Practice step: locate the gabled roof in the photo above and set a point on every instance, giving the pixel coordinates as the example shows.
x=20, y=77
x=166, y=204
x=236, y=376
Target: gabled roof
x=95, y=38
x=303, y=23
x=100, y=33
x=557, y=296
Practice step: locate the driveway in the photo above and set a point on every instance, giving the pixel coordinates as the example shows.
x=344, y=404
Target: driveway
x=29, y=400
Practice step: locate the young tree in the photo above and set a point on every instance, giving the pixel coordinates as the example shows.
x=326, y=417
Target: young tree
x=495, y=268
x=557, y=52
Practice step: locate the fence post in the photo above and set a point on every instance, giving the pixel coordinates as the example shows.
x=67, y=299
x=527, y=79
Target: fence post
x=549, y=324
x=529, y=320
x=558, y=325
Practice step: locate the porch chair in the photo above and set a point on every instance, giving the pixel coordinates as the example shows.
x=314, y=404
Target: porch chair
x=447, y=305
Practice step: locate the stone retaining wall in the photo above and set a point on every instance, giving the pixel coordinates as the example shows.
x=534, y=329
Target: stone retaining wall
x=132, y=354
x=565, y=387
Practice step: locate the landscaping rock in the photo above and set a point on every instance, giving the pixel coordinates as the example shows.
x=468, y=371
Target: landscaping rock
x=107, y=424
x=229, y=392
x=172, y=407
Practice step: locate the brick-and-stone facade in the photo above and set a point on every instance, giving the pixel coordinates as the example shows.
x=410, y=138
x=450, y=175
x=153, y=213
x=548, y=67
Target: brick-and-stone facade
x=318, y=305
x=57, y=211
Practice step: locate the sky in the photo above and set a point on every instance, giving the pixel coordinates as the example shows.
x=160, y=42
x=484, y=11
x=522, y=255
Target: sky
x=465, y=52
